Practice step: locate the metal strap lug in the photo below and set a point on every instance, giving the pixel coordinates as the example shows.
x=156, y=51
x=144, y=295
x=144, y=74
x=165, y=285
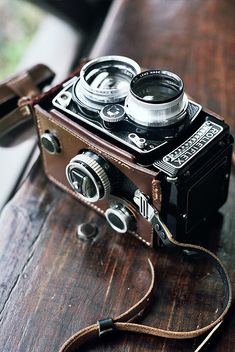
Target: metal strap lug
x=152, y=215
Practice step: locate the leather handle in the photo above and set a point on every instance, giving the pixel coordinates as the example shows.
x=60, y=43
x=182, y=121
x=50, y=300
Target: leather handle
x=23, y=85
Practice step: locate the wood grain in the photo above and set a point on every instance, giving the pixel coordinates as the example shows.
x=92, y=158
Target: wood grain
x=51, y=283
x=193, y=38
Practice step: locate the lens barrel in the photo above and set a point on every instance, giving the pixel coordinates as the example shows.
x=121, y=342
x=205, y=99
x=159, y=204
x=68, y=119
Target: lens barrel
x=156, y=99
x=104, y=80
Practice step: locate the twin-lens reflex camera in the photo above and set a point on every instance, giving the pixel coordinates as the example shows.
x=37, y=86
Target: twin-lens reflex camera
x=125, y=142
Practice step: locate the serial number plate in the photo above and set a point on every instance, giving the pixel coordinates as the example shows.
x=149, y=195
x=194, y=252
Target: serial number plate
x=187, y=150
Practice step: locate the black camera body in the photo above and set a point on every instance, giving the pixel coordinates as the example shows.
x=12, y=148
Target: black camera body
x=151, y=139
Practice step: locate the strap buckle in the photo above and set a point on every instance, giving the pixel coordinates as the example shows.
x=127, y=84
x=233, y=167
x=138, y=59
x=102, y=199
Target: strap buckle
x=152, y=215
x=24, y=105
x=105, y=325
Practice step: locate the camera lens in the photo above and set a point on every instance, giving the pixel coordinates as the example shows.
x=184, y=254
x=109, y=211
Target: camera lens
x=157, y=88
x=156, y=99
x=104, y=80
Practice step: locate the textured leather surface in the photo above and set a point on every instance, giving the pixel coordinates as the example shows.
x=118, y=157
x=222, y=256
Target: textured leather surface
x=24, y=82
x=73, y=139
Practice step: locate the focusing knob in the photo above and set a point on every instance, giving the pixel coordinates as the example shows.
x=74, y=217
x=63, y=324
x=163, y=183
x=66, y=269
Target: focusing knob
x=87, y=175
x=120, y=218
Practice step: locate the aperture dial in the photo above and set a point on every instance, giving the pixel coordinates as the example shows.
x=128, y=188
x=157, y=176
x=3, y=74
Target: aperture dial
x=87, y=174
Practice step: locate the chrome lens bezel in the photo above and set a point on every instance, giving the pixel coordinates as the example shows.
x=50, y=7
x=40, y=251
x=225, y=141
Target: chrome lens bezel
x=95, y=98
x=157, y=74
x=153, y=113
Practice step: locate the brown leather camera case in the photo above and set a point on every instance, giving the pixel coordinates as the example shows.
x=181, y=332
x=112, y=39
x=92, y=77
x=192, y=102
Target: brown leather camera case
x=73, y=139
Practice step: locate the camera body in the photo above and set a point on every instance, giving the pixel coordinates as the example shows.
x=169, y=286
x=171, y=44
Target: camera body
x=112, y=131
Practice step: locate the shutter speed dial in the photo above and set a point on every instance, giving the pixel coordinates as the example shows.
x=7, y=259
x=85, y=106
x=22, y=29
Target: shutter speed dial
x=87, y=174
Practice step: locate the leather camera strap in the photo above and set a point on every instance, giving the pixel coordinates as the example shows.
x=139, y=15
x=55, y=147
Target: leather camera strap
x=124, y=322
x=24, y=89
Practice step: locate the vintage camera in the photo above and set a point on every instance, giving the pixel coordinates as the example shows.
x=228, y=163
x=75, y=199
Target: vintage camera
x=125, y=141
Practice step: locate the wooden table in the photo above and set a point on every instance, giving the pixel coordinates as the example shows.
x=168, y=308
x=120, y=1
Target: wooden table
x=51, y=283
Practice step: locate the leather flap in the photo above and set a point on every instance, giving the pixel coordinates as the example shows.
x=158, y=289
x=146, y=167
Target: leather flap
x=16, y=94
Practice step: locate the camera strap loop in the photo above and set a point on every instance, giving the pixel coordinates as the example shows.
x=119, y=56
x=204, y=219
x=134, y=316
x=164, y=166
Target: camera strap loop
x=118, y=323
x=124, y=322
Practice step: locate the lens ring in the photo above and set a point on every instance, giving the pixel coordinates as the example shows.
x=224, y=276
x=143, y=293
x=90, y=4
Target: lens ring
x=105, y=80
x=170, y=82
x=119, y=217
x=144, y=106
x=74, y=166
x=115, y=220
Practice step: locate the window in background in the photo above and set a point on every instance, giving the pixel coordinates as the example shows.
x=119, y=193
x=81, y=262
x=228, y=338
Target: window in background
x=19, y=22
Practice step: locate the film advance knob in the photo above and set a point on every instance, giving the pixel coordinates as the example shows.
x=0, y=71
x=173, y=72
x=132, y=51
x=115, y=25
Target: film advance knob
x=87, y=175
x=120, y=218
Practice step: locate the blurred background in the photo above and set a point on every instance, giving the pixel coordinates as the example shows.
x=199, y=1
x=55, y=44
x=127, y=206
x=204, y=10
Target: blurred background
x=35, y=29
x=57, y=33
x=19, y=23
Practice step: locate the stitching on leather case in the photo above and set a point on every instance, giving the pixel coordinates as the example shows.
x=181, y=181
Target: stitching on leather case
x=90, y=204
x=37, y=113
x=40, y=132
x=156, y=192
x=157, y=197
x=140, y=238
x=90, y=144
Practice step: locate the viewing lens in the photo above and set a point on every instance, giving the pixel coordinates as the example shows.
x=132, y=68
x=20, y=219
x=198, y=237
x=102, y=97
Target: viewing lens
x=105, y=80
x=103, y=77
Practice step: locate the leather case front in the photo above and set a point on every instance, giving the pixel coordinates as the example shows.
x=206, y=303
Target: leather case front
x=73, y=139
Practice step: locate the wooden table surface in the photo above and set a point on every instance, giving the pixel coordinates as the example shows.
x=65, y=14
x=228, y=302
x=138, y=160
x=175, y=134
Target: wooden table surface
x=51, y=283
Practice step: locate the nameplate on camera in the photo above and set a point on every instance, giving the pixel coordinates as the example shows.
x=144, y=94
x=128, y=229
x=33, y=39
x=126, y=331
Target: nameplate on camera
x=180, y=156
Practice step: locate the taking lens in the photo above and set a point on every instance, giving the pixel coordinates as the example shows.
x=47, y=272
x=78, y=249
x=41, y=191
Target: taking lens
x=156, y=99
x=157, y=87
x=104, y=80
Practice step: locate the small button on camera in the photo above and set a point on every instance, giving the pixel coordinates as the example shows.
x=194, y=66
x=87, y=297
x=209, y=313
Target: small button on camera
x=120, y=218
x=111, y=114
x=50, y=143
